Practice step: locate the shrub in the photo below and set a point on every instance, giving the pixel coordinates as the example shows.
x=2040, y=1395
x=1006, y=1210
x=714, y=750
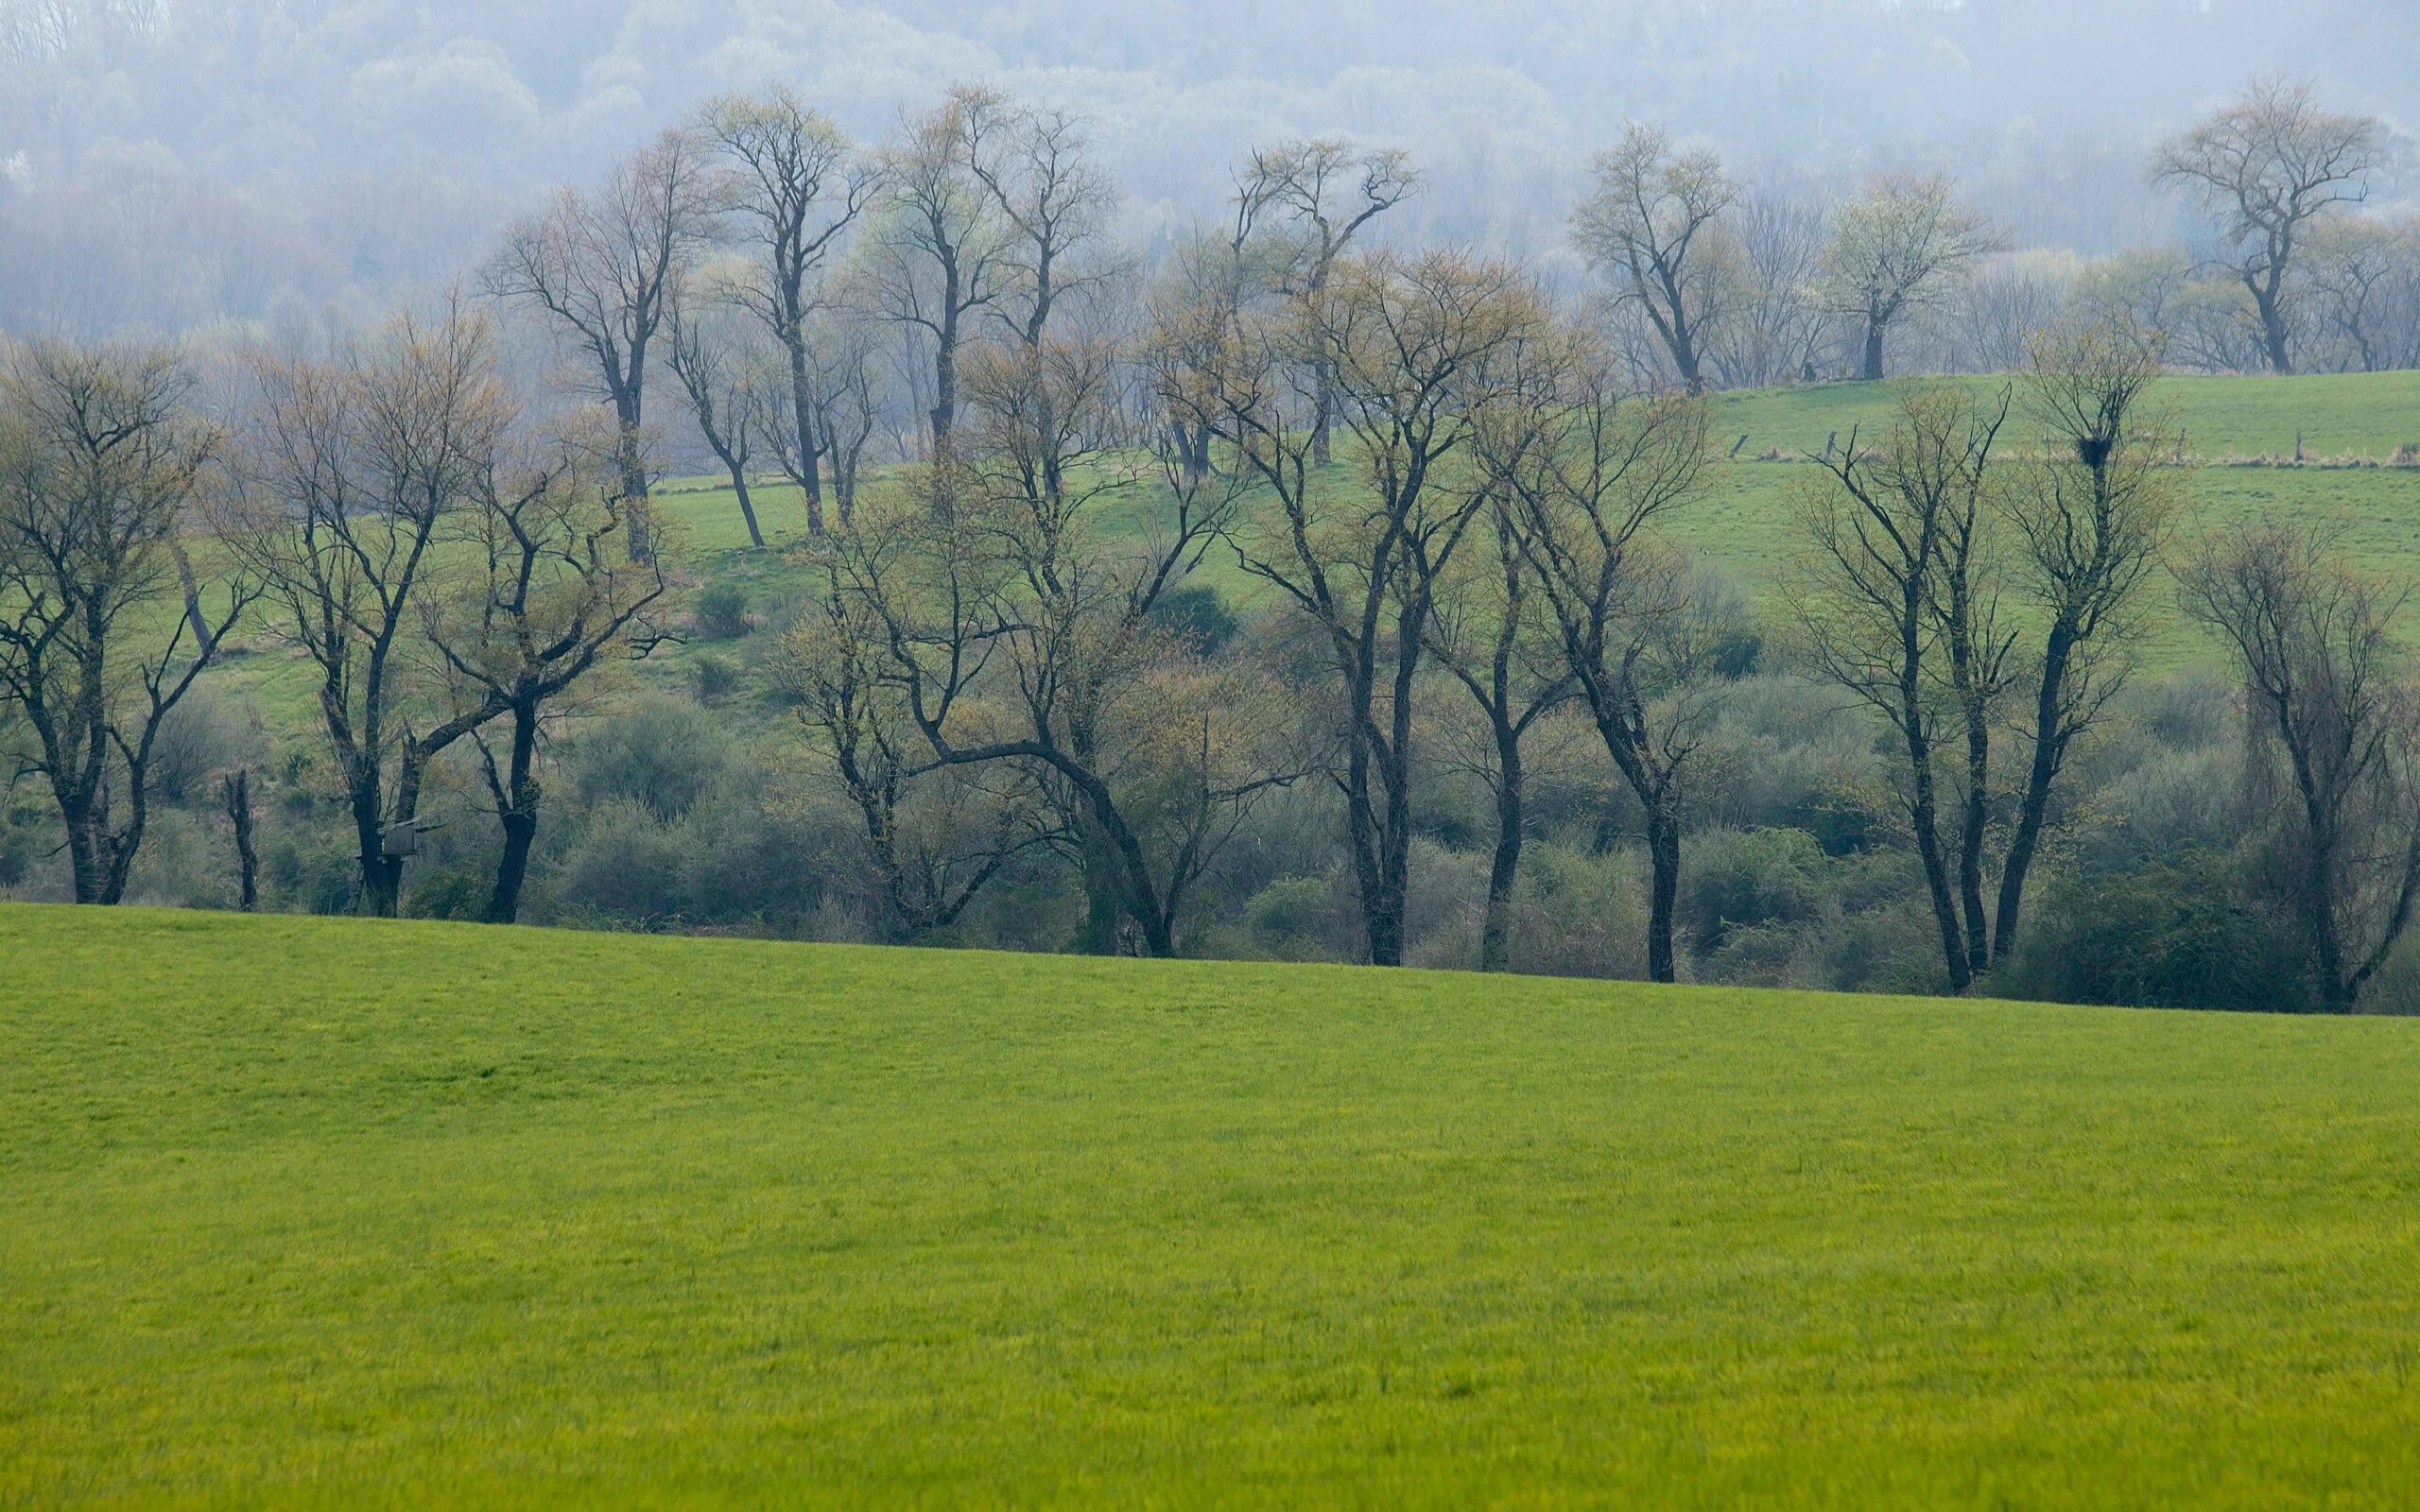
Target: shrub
x=2190, y=936
x=663, y=753
x=1579, y=914
x=1290, y=917
x=1194, y=614
x=203, y=735
x=1733, y=880
x=714, y=679
x=720, y=613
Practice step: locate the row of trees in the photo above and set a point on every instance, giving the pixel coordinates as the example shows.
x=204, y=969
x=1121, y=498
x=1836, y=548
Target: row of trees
x=1445, y=487
x=1035, y=673
x=448, y=568
x=1737, y=284
x=813, y=297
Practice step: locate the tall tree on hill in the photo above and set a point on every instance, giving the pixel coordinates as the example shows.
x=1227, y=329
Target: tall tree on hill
x=794, y=181
x=1489, y=634
x=546, y=596
x=1896, y=600
x=352, y=471
x=1777, y=324
x=1589, y=477
x=1051, y=199
x=1900, y=245
x=101, y=465
x=603, y=266
x=1320, y=193
x=1650, y=222
x=2090, y=519
x=938, y=256
x=1016, y=632
x=2266, y=168
x=2326, y=683
x=1412, y=352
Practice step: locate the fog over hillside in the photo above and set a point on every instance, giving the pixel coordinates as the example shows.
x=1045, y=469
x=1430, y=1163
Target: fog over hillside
x=171, y=161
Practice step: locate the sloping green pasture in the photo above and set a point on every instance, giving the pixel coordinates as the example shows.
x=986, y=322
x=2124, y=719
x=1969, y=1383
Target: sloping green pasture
x=348, y=1214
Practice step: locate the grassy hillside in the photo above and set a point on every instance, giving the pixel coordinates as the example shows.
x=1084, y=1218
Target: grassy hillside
x=2336, y=414
x=336, y=1214
x=1741, y=523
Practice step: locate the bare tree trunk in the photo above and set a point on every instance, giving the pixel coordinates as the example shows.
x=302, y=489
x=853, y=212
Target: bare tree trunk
x=2036, y=804
x=803, y=410
x=1664, y=887
x=2272, y=323
x=1970, y=842
x=83, y=853
x=1872, y=371
x=748, y=507
x=191, y=588
x=1924, y=813
x=519, y=816
x=1494, y=944
x=382, y=875
x=235, y=792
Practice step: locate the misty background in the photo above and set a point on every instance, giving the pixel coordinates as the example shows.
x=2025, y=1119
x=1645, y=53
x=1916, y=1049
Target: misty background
x=168, y=165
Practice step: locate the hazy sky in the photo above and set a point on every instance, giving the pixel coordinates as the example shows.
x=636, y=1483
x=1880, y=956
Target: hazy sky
x=413, y=125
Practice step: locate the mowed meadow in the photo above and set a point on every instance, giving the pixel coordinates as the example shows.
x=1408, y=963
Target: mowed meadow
x=316, y=1212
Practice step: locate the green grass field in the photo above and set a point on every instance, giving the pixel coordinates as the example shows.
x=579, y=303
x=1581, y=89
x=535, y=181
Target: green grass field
x=336, y=1214
x=1740, y=523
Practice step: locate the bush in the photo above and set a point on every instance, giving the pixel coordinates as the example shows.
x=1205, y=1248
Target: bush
x=1731, y=880
x=1287, y=917
x=204, y=735
x=2190, y=936
x=720, y=613
x=714, y=679
x=663, y=754
x=1194, y=614
x=1579, y=914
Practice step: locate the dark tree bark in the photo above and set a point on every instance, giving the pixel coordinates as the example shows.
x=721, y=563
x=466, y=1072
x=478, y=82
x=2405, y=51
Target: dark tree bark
x=235, y=796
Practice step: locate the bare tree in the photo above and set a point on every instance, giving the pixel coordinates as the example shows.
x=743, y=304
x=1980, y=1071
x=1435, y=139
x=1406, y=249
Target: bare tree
x=1411, y=352
x=352, y=470
x=1051, y=198
x=724, y=382
x=547, y=595
x=1650, y=222
x=1777, y=326
x=100, y=466
x=1589, y=477
x=2360, y=272
x=1318, y=192
x=2265, y=167
x=1898, y=247
x=797, y=184
x=1489, y=632
x=235, y=798
x=935, y=836
x=1895, y=601
x=937, y=257
x=2009, y=302
x=1016, y=632
x=2091, y=519
x=603, y=266
x=2328, y=680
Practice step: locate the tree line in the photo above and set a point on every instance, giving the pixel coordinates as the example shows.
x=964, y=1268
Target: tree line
x=1288, y=531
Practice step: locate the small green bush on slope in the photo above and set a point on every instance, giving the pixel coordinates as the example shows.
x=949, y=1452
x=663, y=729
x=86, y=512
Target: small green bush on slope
x=337, y=1214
